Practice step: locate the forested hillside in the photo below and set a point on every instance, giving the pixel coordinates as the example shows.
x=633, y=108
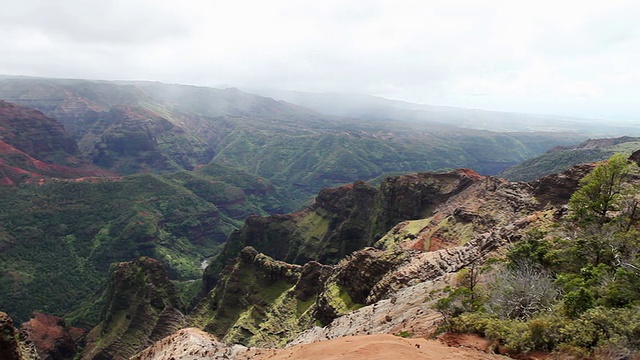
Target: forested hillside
x=131, y=127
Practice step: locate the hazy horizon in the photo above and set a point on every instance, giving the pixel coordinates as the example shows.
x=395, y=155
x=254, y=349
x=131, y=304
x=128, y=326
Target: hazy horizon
x=565, y=58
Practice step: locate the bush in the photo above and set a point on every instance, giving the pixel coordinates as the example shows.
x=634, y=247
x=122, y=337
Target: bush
x=522, y=292
x=578, y=301
x=598, y=329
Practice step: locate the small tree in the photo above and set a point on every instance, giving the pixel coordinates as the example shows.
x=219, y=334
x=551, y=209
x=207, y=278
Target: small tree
x=467, y=297
x=602, y=190
x=606, y=209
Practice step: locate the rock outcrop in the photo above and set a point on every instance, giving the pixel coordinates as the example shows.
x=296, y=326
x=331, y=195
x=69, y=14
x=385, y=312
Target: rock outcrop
x=51, y=336
x=351, y=281
x=409, y=309
x=9, y=346
x=343, y=219
x=189, y=344
x=33, y=147
x=635, y=157
x=557, y=189
x=13, y=345
x=448, y=222
x=260, y=301
x=141, y=307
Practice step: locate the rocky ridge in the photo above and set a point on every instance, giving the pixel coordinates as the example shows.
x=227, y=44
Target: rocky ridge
x=383, y=288
x=459, y=218
x=52, y=338
x=141, y=307
x=562, y=158
x=34, y=147
x=13, y=344
x=343, y=220
x=190, y=344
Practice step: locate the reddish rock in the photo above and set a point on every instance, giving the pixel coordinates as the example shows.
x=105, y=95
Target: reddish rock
x=557, y=189
x=354, y=217
x=33, y=147
x=51, y=336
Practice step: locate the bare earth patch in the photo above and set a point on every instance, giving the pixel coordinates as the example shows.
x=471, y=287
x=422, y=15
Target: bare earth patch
x=372, y=347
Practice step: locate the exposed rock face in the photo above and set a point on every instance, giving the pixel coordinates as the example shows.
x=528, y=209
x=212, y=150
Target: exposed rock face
x=416, y=196
x=141, y=307
x=352, y=279
x=343, y=219
x=28, y=130
x=557, y=189
x=410, y=309
x=33, y=146
x=13, y=345
x=8, y=339
x=189, y=344
x=132, y=139
x=260, y=301
x=51, y=337
x=465, y=218
x=635, y=157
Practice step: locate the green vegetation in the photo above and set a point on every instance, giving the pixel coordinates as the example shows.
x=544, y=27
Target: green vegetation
x=558, y=160
x=314, y=157
x=340, y=300
x=140, y=303
x=405, y=334
x=604, y=190
x=574, y=289
x=59, y=239
x=255, y=303
x=153, y=127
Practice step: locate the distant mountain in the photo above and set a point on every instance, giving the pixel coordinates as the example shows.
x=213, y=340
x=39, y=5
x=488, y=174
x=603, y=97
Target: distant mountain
x=33, y=147
x=561, y=158
x=377, y=108
x=209, y=158
x=131, y=127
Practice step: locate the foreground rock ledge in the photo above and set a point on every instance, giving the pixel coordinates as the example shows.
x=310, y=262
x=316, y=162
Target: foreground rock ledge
x=193, y=343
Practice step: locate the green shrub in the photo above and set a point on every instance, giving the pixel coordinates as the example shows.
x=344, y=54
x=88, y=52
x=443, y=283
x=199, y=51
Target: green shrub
x=578, y=301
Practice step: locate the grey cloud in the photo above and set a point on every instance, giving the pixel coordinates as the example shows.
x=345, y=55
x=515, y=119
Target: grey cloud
x=544, y=55
x=89, y=22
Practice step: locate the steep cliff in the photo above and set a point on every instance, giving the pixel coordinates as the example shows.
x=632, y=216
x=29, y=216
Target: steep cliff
x=33, y=146
x=141, y=306
x=446, y=222
x=130, y=140
x=259, y=300
x=343, y=220
x=52, y=338
x=13, y=345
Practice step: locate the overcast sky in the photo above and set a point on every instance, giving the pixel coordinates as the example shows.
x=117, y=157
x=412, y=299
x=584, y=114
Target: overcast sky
x=579, y=58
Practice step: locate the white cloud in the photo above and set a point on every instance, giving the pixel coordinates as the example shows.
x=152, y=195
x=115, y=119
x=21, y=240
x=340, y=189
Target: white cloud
x=514, y=55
